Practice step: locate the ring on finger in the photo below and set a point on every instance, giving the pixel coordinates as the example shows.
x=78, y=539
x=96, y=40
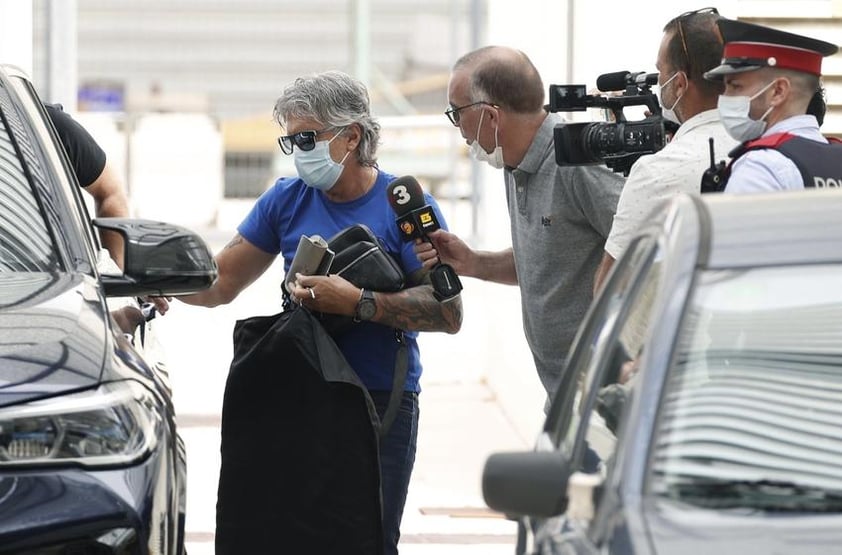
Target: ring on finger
x=312, y=293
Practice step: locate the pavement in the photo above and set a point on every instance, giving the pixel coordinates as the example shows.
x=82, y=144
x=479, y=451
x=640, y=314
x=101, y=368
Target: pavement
x=462, y=417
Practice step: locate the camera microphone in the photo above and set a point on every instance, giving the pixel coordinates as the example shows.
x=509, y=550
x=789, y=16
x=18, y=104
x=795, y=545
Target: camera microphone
x=619, y=80
x=415, y=220
x=615, y=81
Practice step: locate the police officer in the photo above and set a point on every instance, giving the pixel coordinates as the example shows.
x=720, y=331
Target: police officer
x=772, y=81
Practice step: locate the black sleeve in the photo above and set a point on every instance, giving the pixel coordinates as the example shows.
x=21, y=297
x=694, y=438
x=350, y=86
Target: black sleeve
x=86, y=156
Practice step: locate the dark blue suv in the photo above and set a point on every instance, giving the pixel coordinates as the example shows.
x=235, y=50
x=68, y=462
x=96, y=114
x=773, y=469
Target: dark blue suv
x=90, y=459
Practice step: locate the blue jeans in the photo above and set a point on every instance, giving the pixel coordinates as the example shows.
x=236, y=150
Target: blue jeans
x=397, y=457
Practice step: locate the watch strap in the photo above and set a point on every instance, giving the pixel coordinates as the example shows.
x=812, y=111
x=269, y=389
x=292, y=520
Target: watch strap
x=366, y=299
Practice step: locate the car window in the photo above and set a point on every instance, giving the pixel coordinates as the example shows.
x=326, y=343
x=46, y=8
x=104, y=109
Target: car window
x=25, y=241
x=55, y=158
x=752, y=407
x=611, y=389
x=611, y=339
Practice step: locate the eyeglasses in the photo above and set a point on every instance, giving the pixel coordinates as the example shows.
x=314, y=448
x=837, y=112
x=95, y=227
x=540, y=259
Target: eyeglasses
x=453, y=115
x=683, y=17
x=305, y=140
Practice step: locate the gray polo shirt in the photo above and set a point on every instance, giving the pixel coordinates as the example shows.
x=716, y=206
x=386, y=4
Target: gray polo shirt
x=560, y=220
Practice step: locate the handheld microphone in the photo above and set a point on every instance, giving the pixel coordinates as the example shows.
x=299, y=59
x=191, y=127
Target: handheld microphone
x=415, y=220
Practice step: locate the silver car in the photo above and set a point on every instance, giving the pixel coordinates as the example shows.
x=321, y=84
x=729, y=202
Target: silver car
x=701, y=406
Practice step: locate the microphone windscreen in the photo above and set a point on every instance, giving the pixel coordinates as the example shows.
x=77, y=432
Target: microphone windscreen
x=615, y=81
x=405, y=195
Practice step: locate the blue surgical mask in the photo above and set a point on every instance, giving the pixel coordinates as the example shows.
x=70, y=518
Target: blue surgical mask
x=316, y=168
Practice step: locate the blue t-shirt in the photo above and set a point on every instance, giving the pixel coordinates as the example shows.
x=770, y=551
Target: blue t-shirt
x=290, y=209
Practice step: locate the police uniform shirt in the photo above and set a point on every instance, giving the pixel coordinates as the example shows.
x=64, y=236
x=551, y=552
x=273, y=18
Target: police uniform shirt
x=765, y=170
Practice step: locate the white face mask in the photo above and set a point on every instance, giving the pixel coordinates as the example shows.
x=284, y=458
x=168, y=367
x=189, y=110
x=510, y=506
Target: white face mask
x=734, y=112
x=316, y=168
x=669, y=113
x=495, y=158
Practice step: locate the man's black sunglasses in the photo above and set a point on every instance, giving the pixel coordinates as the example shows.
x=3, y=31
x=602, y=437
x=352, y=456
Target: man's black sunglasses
x=305, y=140
x=453, y=115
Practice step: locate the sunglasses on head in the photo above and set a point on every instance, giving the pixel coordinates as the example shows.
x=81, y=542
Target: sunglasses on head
x=305, y=140
x=684, y=17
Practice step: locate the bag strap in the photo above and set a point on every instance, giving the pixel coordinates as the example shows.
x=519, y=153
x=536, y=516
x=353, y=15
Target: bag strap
x=398, y=381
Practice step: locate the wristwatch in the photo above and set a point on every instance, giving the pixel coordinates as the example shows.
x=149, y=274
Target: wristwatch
x=366, y=307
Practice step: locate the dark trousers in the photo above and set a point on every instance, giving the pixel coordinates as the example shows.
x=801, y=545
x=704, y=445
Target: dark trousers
x=397, y=457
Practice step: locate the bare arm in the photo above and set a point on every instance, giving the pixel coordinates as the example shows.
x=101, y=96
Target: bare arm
x=449, y=249
x=601, y=272
x=110, y=202
x=498, y=267
x=240, y=264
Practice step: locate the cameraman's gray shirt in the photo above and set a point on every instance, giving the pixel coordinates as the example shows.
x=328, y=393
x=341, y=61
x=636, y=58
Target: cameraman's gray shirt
x=560, y=220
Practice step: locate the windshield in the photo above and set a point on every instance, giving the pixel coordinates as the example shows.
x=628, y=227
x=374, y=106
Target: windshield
x=752, y=409
x=25, y=242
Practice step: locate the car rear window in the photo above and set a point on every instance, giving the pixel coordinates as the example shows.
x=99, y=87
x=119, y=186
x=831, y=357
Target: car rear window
x=750, y=415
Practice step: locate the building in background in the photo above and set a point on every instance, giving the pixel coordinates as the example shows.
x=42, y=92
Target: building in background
x=238, y=54
x=230, y=60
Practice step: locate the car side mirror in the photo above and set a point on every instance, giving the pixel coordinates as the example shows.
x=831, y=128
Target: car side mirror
x=527, y=483
x=159, y=259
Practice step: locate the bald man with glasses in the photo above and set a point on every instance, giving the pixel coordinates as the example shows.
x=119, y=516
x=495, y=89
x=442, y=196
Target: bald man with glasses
x=560, y=216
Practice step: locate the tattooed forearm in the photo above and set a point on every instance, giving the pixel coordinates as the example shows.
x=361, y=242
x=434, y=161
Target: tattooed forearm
x=416, y=309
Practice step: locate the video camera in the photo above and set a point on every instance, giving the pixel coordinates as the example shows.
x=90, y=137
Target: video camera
x=617, y=144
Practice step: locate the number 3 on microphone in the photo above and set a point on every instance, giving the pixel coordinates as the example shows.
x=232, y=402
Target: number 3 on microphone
x=401, y=194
